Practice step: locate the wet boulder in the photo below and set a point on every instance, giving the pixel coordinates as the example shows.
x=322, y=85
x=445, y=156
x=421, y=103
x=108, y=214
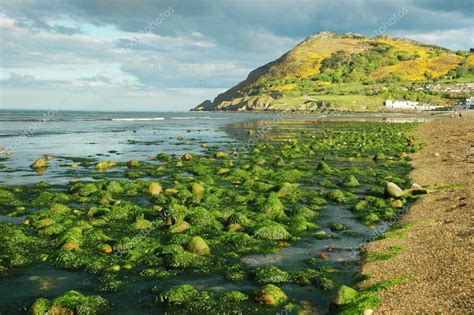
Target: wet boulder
x=39, y=164
x=271, y=274
x=379, y=156
x=187, y=157
x=197, y=245
x=102, y=166
x=273, y=207
x=323, y=167
x=350, y=181
x=153, y=189
x=221, y=154
x=179, y=227
x=272, y=231
x=270, y=294
x=344, y=296
x=197, y=189
x=181, y=295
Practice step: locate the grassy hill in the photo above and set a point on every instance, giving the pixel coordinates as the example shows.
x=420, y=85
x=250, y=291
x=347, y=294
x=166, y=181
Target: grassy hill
x=352, y=72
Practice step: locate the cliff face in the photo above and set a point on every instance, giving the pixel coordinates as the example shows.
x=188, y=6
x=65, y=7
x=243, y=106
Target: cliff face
x=321, y=64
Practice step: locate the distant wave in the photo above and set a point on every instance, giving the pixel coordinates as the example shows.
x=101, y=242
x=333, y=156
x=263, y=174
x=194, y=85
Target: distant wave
x=137, y=119
x=190, y=117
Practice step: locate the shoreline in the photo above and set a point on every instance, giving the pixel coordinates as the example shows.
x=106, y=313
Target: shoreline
x=434, y=237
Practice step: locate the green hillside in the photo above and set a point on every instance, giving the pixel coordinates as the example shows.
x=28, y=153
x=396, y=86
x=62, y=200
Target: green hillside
x=352, y=72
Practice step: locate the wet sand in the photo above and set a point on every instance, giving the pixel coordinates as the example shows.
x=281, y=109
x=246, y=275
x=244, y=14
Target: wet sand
x=437, y=247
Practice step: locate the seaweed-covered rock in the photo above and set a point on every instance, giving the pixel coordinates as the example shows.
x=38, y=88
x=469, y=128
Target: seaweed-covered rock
x=272, y=231
x=177, y=212
x=163, y=157
x=179, y=227
x=271, y=295
x=105, y=248
x=271, y=274
x=323, y=167
x=337, y=195
x=234, y=297
x=235, y=227
x=197, y=245
x=221, y=154
x=101, y=166
x=187, y=157
x=397, y=203
x=70, y=246
x=114, y=187
x=337, y=227
x=133, y=163
x=84, y=189
x=344, y=296
x=40, y=306
x=171, y=191
x=154, y=188
x=350, y=181
x=273, y=206
x=179, y=295
x=393, y=191
x=286, y=189
x=379, y=156
x=197, y=189
x=142, y=224
x=39, y=164
x=70, y=303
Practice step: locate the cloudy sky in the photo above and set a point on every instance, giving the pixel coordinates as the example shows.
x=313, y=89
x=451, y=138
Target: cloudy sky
x=170, y=55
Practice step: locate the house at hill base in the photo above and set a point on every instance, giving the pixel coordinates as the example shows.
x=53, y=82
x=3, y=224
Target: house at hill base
x=409, y=105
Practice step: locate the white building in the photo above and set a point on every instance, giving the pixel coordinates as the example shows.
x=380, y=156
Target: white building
x=400, y=104
x=469, y=102
x=409, y=105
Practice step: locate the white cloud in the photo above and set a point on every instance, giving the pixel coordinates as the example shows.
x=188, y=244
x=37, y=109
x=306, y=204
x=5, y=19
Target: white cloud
x=447, y=38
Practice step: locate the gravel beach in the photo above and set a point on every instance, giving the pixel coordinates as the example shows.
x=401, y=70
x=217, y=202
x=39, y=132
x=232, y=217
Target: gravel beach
x=436, y=245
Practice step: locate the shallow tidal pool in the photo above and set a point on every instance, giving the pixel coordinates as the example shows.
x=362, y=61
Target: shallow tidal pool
x=230, y=228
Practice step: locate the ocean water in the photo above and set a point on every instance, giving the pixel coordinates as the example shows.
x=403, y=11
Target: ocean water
x=122, y=136
x=119, y=136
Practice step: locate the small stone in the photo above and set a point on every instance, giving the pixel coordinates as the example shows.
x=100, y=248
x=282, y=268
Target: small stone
x=403, y=155
x=74, y=165
x=221, y=154
x=105, y=248
x=133, y=163
x=157, y=208
x=235, y=227
x=49, y=158
x=397, y=203
x=392, y=190
x=416, y=189
x=115, y=268
x=437, y=154
x=171, y=191
x=187, y=157
x=101, y=166
x=70, y=246
x=323, y=256
x=179, y=227
x=368, y=312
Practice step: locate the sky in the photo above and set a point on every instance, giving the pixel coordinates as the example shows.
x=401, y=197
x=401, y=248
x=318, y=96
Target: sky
x=116, y=55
